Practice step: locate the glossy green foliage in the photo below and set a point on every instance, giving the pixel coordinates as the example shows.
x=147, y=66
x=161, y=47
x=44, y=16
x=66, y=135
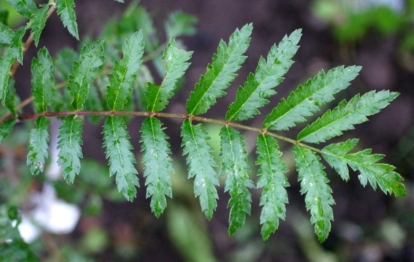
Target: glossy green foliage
x=42, y=81
x=68, y=16
x=99, y=83
x=237, y=169
x=273, y=181
x=314, y=183
x=175, y=64
x=38, y=146
x=69, y=145
x=201, y=165
x=157, y=164
x=121, y=159
x=84, y=72
x=125, y=72
x=269, y=74
x=307, y=98
x=221, y=72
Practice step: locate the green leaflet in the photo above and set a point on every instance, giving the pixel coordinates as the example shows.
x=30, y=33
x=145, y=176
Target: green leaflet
x=200, y=165
x=125, y=72
x=268, y=75
x=84, y=72
x=17, y=46
x=38, y=146
x=236, y=167
x=176, y=64
x=346, y=115
x=314, y=183
x=6, y=128
x=24, y=7
x=6, y=34
x=63, y=62
x=43, y=80
x=12, y=99
x=180, y=24
x=69, y=145
x=273, y=181
x=6, y=62
x=334, y=154
x=221, y=72
x=366, y=163
x=157, y=164
x=121, y=159
x=307, y=98
x=65, y=8
x=38, y=22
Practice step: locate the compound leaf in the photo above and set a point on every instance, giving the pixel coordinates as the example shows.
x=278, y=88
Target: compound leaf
x=121, y=159
x=38, y=146
x=69, y=145
x=273, y=181
x=65, y=8
x=334, y=154
x=125, y=72
x=176, y=64
x=6, y=128
x=268, y=75
x=157, y=164
x=200, y=165
x=24, y=7
x=38, y=22
x=43, y=80
x=236, y=167
x=346, y=115
x=376, y=173
x=6, y=34
x=221, y=72
x=84, y=72
x=307, y=98
x=314, y=183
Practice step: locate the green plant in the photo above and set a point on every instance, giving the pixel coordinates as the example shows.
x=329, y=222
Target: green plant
x=86, y=91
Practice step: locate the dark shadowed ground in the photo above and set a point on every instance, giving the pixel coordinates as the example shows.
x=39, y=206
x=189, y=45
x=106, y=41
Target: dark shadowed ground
x=368, y=226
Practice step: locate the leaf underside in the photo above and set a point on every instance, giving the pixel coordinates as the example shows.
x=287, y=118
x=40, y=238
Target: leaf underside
x=157, y=164
x=201, y=165
x=314, y=183
x=121, y=159
x=238, y=182
x=273, y=181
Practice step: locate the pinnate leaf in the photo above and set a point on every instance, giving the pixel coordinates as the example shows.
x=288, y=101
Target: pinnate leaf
x=38, y=146
x=121, y=159
x=273, y=181
x=24, y=7
x=307, y=98
x=65, y=9
x=84, y=72
x=268, y=75
x=6, y=128
x=69, y=145
x=314, y=183
x=236, y=167
x=221, y=72
x=125, y=72
x=334, y=154
x=346, y=115
x=6, y=34
x=176, y=64
x=38, y=22
x=200, y=165
x=157, y=164
x=43, y=80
